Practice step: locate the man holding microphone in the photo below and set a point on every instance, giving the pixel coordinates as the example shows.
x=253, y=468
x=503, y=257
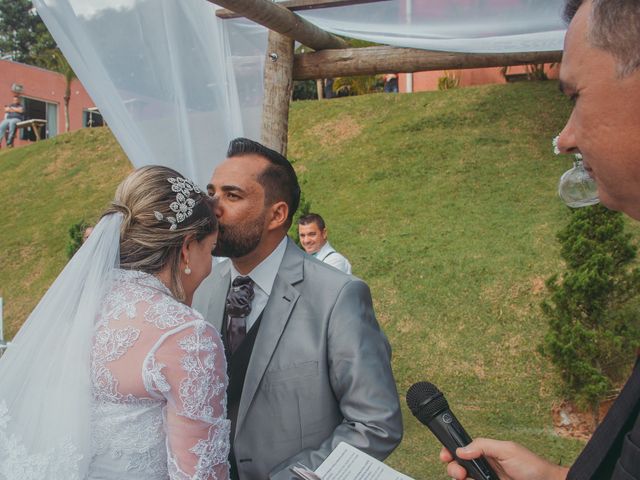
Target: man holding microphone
x=600, y=73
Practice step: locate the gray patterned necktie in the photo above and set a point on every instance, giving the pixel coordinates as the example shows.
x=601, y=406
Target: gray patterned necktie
x=238, y=308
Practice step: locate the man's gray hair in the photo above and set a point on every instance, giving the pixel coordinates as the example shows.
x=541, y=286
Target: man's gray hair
x=615, y=28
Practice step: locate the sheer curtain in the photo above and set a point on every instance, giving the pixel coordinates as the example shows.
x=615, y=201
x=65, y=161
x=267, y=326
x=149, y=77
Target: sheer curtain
x=479, y=26
x=175, y=83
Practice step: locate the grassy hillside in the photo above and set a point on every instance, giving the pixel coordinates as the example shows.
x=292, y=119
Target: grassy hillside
x=45, y=188
x=444, y=202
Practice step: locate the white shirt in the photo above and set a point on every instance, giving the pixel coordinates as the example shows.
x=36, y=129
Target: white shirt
x=263, y=275
x=328, y=255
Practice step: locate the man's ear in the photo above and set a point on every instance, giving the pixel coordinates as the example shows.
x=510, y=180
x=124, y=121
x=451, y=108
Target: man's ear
x=324, y=234
x=279, y=215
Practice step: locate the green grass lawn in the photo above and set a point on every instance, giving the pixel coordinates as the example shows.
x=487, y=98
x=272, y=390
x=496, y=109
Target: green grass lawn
x=46, y=187
x=445, y=202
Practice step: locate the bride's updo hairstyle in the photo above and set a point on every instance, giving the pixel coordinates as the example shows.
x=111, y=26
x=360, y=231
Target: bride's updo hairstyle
x=152, y=233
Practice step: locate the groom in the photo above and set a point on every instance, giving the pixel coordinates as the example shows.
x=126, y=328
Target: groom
x=309, y=366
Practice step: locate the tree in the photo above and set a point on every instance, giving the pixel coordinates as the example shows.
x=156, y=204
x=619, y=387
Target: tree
x=23, y=34
x=594, y=322
x=55, y=61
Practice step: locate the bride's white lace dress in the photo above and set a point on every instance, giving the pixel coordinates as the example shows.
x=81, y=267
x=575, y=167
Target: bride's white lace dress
x=159, y=387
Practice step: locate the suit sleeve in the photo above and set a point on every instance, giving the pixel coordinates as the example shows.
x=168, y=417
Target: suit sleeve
x=359, y=358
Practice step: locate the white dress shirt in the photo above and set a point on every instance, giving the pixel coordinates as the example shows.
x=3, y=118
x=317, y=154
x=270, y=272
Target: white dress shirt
x=263, y=276
x=328, y=255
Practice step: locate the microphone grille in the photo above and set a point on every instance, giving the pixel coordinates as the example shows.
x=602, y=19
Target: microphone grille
x=425, y=400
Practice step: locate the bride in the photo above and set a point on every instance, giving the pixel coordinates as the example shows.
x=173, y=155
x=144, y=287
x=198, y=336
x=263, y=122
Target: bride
x=113, y=375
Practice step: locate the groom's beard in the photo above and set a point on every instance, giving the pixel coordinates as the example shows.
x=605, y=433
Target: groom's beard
x=236, y=241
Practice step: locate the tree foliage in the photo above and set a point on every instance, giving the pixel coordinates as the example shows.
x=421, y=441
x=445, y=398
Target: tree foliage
x=23, y=35
x=25, y=38
x=593, y=311
x=54, y=60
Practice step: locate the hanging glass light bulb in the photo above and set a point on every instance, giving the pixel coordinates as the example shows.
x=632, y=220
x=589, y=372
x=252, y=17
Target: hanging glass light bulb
x=576, y=187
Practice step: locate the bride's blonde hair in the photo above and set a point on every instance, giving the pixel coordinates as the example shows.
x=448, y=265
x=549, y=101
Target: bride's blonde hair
x=148, y=243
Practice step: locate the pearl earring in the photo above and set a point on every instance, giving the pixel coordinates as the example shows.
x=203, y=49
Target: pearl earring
x=187, y=270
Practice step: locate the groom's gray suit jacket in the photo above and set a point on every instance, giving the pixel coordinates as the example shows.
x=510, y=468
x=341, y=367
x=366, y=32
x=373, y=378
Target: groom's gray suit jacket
x=319, y=373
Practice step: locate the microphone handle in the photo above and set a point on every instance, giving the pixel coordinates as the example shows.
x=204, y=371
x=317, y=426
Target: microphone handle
x=451, y=434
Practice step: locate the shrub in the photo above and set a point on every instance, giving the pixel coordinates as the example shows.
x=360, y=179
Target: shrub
x=593, y=318
x=305, y=90
x=449, y=81
x=535, y=71
x=76, y=231
x=303, y=209
x=358, y=85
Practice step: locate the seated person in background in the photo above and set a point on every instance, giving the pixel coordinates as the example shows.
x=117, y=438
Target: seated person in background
x=601, y=74
x=390, y=83
x=13, y=114
x=313, y=237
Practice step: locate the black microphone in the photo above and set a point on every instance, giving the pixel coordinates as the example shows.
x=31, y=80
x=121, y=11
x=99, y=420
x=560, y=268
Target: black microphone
x=428, y=405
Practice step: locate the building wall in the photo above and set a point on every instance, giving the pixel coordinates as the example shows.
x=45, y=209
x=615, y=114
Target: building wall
x=425, y=81
x=44, y=85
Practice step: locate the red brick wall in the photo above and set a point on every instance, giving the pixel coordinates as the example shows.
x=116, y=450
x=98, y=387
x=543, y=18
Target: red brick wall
x=423, y=81
x=46, y=86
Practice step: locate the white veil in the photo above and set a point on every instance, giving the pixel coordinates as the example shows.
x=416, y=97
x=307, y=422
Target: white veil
x=45, y=385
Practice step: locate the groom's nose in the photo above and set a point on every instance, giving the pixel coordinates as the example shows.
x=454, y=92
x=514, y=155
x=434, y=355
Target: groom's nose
x=217, y=209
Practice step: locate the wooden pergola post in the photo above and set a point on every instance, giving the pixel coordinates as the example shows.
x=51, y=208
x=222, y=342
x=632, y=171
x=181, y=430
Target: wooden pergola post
x=278, y=86
x=320, y=88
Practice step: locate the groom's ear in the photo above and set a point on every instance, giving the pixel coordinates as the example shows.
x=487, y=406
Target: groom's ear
x=279, y=215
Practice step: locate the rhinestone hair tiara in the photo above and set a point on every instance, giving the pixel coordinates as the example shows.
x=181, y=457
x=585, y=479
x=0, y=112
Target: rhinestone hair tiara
x=183, y=206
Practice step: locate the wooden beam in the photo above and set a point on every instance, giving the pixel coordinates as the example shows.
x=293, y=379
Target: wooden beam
x=295, y=5
x=278, y=85
x=374, y=60
x=279, y=19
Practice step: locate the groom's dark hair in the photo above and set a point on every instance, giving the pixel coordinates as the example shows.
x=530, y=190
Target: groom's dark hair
x=279, y=179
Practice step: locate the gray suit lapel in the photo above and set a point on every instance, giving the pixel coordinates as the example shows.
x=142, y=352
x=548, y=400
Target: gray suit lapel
x=274, y=320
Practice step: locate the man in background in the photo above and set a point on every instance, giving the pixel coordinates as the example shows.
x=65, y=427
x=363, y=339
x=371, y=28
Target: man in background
x=13, y=114
x=313, y=238
x=600, y=74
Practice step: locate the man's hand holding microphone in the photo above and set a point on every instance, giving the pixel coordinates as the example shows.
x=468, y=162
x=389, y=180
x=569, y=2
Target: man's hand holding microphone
x=510, y=460
x=479, y=459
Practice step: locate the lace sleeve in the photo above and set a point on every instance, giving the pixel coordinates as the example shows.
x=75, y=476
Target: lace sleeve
x=188, y=368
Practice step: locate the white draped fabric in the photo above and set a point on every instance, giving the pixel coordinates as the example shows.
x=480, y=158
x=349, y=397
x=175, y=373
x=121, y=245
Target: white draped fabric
x=175, y=83
x=479, y=26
